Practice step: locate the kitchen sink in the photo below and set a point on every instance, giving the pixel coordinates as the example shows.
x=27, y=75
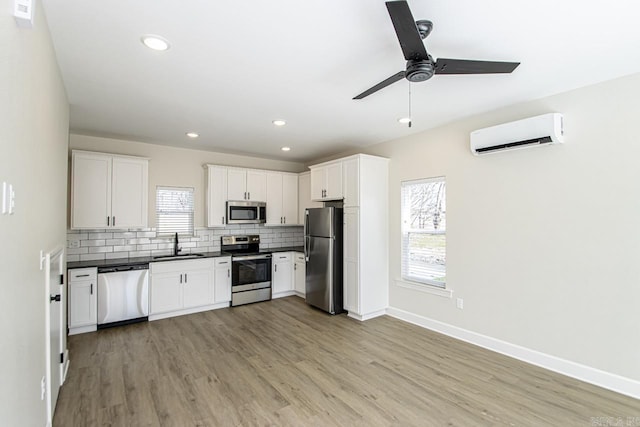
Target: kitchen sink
x=184, y=256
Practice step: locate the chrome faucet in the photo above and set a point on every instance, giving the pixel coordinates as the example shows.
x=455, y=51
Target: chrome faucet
x=176, y=248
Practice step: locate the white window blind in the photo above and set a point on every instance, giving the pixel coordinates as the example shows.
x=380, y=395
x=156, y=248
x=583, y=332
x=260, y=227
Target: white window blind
x=424, y=224
x=174, y=210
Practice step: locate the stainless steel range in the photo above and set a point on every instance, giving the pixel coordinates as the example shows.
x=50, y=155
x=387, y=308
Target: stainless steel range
x=250, y=269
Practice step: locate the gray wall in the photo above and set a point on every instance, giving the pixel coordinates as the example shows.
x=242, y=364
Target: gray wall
x=543, y=244
x=33, y=157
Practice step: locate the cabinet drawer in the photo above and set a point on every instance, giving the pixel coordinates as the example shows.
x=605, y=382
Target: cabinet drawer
x=82, y=274
x=180, y=266
x=222, y=262
x=299, y=257
x=281, y=256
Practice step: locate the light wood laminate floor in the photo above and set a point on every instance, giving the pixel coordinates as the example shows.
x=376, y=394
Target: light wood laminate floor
x=283, y=363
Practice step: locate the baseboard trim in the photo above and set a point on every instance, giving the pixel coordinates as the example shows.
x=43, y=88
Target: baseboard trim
x=571, y=369
x=363, y=317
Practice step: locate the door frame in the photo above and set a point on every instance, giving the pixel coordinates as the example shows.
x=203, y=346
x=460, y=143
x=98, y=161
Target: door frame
x=54, y=263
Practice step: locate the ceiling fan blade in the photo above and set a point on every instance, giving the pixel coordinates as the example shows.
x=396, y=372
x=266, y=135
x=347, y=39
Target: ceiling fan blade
x=466, y=66
x=406, y=30
x=396, y=77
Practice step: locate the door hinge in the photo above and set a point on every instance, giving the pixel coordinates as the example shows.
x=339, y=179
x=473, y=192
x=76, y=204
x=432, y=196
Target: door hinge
x=62, y=279
x=61, y=357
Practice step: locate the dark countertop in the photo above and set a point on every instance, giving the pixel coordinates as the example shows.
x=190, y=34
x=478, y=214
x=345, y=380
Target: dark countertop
x=133, y=261
x=145, y=260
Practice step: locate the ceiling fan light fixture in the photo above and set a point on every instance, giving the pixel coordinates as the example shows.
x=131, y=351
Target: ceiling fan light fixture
x=286, y=148
x=404, y=120
x=155, y=42
x=192, y=135
x=279, y=122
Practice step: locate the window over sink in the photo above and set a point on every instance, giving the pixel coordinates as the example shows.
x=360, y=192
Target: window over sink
x=174, y=210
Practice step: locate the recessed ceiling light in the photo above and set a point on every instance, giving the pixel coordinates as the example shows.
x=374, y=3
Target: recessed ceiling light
x=286, y=148
x=404, y=120
x=192, y=134
x=154, y=42
x=279, y=122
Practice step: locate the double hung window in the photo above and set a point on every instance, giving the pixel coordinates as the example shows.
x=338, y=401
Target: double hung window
x=424, y=225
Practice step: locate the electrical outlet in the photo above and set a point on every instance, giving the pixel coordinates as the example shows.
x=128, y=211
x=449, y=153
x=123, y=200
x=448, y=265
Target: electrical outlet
x=460, y=303
x=43, y=387
x=74, y=244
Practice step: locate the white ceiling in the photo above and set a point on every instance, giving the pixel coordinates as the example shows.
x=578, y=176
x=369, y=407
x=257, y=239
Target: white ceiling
x=234, y=66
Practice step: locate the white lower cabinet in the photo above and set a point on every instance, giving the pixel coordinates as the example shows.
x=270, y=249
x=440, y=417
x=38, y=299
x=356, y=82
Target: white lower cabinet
x=299, y=271
x=181, y=287
x=83, y=301
x=222, y=280
x=282, y=274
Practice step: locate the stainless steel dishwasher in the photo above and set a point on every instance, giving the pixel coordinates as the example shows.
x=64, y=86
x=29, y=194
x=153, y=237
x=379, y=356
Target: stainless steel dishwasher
x=123, y=295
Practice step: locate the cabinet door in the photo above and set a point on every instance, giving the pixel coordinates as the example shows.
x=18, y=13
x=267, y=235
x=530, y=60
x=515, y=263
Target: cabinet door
x=166, y=292
x=289, y=199
x=334, y=181
x=318, y=183
x=129, y=192
x=304, y=196
x=282, y=274
x=236, y=184
x=222, y=280
x=299, y=274
x=274, y=199
x=197, y=288
x=351, y=182
x=216, y=196
x=82, y=304
x=257, y=186
x=91, y=190
x=351, y=260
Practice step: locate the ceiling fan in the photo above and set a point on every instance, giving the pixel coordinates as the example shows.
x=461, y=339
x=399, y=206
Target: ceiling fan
x=420, y=65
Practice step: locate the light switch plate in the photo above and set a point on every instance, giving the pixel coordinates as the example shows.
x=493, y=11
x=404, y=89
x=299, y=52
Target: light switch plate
x=11, y=197
x=23, y=12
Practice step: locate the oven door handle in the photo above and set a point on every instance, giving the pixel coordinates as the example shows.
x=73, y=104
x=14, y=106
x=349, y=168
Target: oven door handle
x=250, y=257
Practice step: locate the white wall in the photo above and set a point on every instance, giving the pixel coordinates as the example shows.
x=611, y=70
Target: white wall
x=33, y=153
x=177, y=166
x=543, y=244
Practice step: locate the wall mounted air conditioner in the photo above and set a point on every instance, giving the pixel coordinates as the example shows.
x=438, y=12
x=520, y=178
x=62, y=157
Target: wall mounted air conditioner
x=546, y=129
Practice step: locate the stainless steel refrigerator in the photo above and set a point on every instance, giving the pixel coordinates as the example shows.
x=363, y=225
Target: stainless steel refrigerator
x=323, y=255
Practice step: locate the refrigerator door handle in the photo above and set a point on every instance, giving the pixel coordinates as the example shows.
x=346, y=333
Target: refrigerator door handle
x=306, y=248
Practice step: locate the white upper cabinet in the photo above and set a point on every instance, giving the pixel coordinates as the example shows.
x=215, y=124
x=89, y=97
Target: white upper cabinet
x=216, y=195
x=351, y=182
x=282, y=198
x=304, y=195
x=246, y=184
x=326, y=181
x=108, y=191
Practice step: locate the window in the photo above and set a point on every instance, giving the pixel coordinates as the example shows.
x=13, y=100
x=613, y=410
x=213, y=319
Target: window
x=174, y=210
x=424, y=224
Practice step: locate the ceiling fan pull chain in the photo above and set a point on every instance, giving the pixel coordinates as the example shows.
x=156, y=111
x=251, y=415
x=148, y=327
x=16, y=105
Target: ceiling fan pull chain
x=410, y=116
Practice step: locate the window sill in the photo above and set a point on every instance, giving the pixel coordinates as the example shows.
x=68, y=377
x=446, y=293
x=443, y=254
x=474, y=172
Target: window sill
x=429, y=289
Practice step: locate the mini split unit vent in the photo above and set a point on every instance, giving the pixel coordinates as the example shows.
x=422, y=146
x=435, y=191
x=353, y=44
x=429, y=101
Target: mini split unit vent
x=536, y=131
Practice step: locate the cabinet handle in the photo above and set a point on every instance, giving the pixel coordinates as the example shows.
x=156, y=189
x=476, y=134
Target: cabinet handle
x=285, y=220
x=223, y=220
x=222, y=262
x=114, y=221
x=228, y=273
x=249, y=198
x=245, y=195
x=295, y=266
x=181, y=278
x=185, y=277
x=108, y=219
x=275, y=266
x=92, y=289
x=280, y=220
x=82, y=275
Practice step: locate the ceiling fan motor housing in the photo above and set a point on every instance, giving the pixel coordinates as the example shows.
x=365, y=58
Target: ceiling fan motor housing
x=420, y=70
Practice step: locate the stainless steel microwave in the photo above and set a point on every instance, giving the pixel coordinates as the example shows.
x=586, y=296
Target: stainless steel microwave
x=246, y=212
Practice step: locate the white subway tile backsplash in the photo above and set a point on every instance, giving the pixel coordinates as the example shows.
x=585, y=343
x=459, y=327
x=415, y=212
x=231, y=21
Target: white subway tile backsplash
x=109, y=244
